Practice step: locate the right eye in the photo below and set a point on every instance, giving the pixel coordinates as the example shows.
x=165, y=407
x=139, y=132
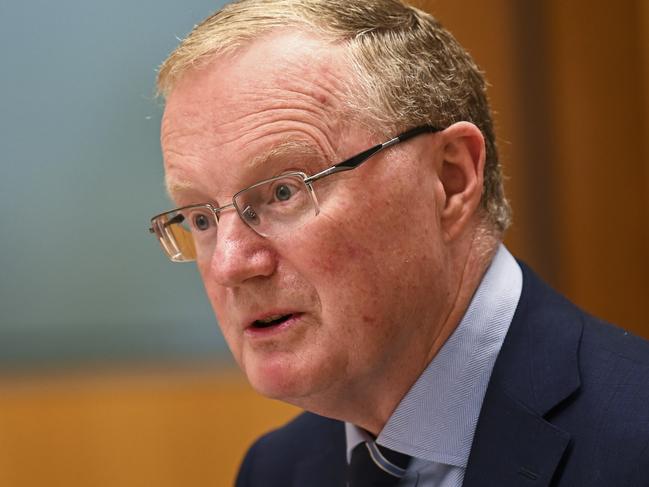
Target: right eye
x=201, y=222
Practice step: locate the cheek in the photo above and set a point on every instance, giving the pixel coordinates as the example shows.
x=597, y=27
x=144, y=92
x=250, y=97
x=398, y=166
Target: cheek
x=211, y=290
x=344, y=262
x=216, y=295
x=371, y=256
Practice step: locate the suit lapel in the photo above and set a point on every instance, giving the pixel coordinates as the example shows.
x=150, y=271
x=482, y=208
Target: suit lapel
x=537, y=369
x=513, y=445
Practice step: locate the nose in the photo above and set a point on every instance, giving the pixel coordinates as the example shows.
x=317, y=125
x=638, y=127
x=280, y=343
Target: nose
x=240, y=254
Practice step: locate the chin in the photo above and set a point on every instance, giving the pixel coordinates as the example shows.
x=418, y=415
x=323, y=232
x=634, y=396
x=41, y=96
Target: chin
x=283, y=380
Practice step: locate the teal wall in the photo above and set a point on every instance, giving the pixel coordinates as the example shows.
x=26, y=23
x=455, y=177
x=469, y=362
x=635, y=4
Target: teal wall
x=81, y=280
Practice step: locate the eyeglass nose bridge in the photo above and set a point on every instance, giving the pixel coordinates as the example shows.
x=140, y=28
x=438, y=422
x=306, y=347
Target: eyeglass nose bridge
x=246, y=215
x=217, y=210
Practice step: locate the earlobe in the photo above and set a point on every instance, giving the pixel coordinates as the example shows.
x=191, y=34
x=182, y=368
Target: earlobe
x=461, y=176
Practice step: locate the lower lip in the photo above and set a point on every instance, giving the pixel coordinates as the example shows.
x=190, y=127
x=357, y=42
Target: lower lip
x=255, y=332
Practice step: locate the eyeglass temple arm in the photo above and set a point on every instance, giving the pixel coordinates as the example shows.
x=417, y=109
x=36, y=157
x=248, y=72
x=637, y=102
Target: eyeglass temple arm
x=355, y=161
x=177, y=219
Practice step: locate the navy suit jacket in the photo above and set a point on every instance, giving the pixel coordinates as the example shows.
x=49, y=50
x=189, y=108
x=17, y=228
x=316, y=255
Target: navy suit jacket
x=567, y=405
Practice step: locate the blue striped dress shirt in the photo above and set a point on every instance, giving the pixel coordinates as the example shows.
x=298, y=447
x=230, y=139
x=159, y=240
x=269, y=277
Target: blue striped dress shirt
x=436, y=420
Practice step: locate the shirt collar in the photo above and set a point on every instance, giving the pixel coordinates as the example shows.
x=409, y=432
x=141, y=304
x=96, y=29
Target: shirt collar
x=436, y=419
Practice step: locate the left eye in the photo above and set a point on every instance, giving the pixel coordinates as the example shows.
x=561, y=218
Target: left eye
x=283, y=192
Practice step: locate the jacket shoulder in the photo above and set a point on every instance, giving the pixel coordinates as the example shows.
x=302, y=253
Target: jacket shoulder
x=599, y=334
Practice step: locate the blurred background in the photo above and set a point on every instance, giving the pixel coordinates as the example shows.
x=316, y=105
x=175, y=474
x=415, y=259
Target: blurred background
x=112, y=368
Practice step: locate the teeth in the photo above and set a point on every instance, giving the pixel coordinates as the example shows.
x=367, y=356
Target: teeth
x=271, y=318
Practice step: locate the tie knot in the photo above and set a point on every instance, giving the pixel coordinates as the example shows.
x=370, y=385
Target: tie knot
x=374, y=465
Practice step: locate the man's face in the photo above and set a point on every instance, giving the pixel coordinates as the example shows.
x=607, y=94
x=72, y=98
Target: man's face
x=361, y=288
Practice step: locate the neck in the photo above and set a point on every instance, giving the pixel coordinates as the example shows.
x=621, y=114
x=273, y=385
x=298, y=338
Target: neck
x=473, y=266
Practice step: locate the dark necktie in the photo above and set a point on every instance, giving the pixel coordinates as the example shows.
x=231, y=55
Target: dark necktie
x=375, y=466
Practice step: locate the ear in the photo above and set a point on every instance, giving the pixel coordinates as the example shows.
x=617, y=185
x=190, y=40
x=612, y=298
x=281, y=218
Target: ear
x=461, y=176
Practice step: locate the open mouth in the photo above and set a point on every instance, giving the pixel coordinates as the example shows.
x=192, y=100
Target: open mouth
x=271, y=321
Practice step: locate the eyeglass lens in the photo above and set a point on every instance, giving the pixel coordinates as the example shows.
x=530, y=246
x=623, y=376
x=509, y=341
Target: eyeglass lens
x=270, y=208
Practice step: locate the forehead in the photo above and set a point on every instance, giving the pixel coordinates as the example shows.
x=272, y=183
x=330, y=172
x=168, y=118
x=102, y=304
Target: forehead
x=282, y=93
x=284, y=59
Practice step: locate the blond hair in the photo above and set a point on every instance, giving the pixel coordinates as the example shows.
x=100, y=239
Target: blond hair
x=409, y=70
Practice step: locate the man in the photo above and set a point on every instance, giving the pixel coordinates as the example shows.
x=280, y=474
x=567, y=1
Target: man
x=338, y=186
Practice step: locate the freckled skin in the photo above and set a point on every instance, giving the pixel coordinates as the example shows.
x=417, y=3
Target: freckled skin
x=371, y=273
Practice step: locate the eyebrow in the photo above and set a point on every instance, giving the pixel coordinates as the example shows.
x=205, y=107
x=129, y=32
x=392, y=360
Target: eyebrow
x=177, y=187
x=300, y=148
x=297, y=147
